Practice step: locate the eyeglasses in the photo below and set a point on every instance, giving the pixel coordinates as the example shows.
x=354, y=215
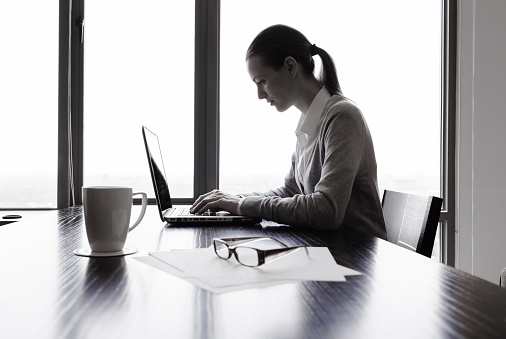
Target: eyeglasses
x=249, y=256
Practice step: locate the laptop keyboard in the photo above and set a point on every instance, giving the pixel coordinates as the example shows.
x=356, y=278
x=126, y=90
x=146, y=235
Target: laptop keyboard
x=178, y=212
x=183, y=212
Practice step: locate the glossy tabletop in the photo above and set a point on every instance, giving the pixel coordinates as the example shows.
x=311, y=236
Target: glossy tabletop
x=48, y=292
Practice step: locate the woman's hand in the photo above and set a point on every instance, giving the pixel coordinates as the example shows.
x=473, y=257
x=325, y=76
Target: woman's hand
x=216, y=201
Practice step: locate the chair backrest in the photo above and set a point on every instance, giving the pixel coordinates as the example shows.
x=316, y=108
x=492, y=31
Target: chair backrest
x=411, y=220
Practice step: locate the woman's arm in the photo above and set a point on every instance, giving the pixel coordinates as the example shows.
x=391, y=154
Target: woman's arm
x=334, y=169
x=218, y=201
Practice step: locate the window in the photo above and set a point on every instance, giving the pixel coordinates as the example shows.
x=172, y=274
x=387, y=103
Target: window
x=389, y=64
x=392, y=74
x=29, y=103
x=138, y=70
x=179, y=69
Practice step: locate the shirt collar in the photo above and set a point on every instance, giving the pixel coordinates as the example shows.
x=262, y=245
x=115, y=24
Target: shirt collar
x=309, y=121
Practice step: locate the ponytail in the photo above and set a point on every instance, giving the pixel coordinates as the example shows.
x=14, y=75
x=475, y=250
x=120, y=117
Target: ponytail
x=328, y=73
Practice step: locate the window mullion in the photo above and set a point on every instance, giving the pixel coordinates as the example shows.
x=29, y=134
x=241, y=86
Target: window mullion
x=70, y=104
x=206, y=96
x=448, y=130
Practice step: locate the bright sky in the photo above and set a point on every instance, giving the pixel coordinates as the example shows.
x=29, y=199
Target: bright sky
x=386, y=52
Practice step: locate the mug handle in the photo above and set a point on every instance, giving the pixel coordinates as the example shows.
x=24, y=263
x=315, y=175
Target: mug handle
x=144, y=205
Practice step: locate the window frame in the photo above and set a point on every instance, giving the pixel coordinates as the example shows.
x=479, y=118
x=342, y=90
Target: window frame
x=448, y=129
x=70, y=103
x=207, y=122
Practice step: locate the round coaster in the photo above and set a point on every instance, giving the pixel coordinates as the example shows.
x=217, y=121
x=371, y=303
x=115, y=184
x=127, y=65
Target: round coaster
x=87, y=252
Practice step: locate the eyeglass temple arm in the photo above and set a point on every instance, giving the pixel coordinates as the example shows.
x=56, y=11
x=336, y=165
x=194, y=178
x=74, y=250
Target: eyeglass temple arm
x=278, y=251
x=246, y=239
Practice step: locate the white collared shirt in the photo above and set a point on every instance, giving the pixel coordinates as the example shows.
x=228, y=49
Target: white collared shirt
x=306, y=134
x=306, y=137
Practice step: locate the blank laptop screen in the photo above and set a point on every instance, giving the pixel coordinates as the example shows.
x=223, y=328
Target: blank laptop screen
x=157, y=169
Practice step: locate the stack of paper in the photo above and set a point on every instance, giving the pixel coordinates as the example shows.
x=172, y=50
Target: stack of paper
x=203, y=268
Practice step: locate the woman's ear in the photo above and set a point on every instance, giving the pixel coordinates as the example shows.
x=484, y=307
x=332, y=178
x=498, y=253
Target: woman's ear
x=291, y=65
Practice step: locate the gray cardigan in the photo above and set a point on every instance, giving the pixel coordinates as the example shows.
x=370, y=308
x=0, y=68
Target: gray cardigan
x=340, y=185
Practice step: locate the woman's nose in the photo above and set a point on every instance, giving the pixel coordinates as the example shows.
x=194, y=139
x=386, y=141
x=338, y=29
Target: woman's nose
x=261, y=93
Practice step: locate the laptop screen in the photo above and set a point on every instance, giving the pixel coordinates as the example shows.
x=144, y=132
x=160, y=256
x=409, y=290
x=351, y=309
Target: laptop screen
x=157, y=169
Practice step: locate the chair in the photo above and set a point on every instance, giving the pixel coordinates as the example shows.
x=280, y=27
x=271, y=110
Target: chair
x=411, y=220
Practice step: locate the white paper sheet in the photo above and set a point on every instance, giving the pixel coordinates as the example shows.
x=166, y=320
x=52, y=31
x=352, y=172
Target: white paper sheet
x=203, y=263
x=203, y=268
x=268, y=223
x=217, y=285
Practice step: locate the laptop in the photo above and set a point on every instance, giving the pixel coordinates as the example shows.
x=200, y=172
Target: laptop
x=180, y=214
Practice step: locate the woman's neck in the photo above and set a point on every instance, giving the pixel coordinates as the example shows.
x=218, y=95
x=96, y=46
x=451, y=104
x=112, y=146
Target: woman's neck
x=308, y=89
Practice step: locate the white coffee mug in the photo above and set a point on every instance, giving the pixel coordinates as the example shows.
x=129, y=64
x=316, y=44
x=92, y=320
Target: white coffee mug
x=107, y=212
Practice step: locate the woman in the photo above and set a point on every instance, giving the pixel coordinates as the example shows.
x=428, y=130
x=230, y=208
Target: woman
x=332, y=180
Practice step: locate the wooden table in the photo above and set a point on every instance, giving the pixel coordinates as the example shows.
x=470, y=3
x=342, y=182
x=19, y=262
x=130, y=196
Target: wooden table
x=48, y=292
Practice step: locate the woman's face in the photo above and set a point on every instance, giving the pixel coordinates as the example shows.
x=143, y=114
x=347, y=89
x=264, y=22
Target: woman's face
x=275, y=86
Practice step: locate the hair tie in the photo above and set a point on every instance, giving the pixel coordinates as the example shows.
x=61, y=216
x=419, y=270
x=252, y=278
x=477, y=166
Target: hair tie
x=314, y=50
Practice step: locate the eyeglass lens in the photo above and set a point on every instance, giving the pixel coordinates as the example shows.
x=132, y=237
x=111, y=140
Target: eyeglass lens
x=244, y=255
x=221, y=249
x=247, y=256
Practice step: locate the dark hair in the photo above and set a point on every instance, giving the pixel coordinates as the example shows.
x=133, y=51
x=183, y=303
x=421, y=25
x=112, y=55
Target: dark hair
x=276, y=43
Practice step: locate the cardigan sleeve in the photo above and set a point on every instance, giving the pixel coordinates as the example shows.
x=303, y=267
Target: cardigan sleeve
x=341, y=142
